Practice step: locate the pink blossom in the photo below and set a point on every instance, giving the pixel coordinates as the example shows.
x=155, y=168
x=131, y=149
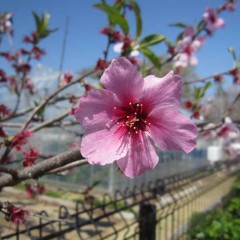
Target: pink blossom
x=232, y=148
x=206, y=134
x=66, y=78
x=188, y=104
x=101, y=64
x=2, y=133
x=20, y=139
x=29, y=85
x=30, y=157
x=22, y=67
x=3, y=76
x=211, y=19
x=33, y=191
x=37, y=52
x=186, y=47
x=132, y=117
x=224, y=131
x=235, y=73
x=105, y=31
x=4, y=112
x=16, y=215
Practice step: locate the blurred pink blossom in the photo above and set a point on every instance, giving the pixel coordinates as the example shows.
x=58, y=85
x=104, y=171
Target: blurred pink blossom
x=6, y=23
x=211, y=19
x=16, y=215
x=30, y=157
x=131, y=117
x=20, y=139
x=186, y=48
x=66, y=78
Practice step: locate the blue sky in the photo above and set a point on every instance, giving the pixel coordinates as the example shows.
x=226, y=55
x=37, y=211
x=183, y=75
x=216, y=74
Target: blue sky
x=85, y=44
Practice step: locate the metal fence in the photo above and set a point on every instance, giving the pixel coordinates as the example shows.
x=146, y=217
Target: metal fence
x=156, y=211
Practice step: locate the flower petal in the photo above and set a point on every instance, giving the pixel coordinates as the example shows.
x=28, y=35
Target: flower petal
x=164, y=91
x=122, y=78
x=193, y=61
x=171, y=130
x=140, y=158
x=95, y=110
x=103, y=147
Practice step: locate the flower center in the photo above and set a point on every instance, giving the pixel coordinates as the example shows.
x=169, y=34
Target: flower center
x=131, y=118
x=188, y=50
x=212, y=18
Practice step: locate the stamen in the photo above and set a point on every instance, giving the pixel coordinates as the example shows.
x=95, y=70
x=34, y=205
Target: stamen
x=115, y=108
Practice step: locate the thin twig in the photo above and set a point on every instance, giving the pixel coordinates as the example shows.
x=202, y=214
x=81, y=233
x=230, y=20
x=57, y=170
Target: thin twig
x=69, y=166
x=44, y=102
x=49, y=122
x=205, y=79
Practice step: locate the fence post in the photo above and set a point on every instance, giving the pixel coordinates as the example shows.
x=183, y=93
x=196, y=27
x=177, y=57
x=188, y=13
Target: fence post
x=147, y=221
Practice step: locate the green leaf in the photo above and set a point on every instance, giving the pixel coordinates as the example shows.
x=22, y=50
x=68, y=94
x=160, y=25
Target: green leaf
x=179, y=24
x=232, y=51
x=46, y=18
x=197, y=94
x=151, y=40
x=37, y=20
x=180, y=35
x=168, y=42
x=138, y=17
x=40, y=112
x=118, y=5
x=151, y=56
x=115, y=17
x=42, y=25
x=207, y=86
x=143, y=68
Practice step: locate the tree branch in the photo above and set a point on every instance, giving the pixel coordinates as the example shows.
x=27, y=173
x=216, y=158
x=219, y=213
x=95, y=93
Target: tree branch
x=207, y=78
x=41, y=168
